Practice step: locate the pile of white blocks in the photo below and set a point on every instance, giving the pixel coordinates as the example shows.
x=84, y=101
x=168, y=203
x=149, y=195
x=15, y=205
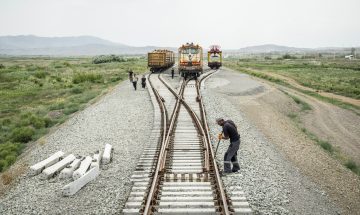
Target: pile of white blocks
x=81, y=169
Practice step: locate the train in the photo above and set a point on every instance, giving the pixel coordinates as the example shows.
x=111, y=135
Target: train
x=214, y=57
x=190, y=60
x=160, y=60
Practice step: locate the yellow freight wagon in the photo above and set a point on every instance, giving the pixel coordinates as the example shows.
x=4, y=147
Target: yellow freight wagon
x=160, y=60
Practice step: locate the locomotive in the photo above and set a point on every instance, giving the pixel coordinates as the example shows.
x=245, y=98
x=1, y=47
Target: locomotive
x=159, y=60
x=214, y=57
x=190, y=60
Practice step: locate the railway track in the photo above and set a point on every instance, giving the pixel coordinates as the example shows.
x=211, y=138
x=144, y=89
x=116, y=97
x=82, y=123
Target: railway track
x=177, y=173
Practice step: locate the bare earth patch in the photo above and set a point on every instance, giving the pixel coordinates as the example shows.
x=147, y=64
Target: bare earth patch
x=269, y=109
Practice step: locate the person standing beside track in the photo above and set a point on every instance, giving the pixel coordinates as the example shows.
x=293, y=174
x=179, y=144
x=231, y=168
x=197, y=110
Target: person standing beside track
x=172, y=73
x=130, y=75
x=230, y=132
x=134, y=81
x=143, y=81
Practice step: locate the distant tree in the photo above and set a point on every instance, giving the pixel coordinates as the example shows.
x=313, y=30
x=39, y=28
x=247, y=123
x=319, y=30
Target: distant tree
x=288, y=56
x=267, y=58
x=353, y=52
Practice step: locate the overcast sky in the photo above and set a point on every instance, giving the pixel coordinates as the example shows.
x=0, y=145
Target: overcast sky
x=229, y=23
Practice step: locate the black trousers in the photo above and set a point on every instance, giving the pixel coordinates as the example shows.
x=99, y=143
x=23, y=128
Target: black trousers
x=230, y=157
x=143, y=84
x=134, y=84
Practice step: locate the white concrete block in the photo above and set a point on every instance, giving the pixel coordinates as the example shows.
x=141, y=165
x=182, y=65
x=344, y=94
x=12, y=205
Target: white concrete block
x=107, y=155
x=84, y=166
x=39, y=167
x=68, y=171
x=75, y=186
x=96, y=159
x=57, y=167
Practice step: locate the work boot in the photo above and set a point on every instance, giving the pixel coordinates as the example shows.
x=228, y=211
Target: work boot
x=223, y=174
x=235, y=170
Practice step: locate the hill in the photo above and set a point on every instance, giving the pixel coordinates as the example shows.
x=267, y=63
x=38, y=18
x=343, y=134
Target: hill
x=66, y=46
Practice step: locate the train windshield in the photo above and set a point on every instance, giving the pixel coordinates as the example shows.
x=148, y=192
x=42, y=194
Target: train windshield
x=190, y=51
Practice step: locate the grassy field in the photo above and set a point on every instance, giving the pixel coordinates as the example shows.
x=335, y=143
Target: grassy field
x=38, y=93
x=339, y=76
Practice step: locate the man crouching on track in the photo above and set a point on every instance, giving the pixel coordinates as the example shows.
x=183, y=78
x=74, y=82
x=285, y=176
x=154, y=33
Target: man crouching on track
x=230, y=157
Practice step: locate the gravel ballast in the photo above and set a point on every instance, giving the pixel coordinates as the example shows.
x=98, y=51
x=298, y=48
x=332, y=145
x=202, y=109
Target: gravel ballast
x=122, y=118
x=271, y=184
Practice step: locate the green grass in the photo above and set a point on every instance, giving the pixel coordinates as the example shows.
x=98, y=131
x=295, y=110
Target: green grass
x=336, y=76
x=38, y=93
x=353, y=166
x=304, y=106
x=90, y=77
x=323, y=144
x=8, y=153
x=292, y=115
x=276, y=64
x=336, y=102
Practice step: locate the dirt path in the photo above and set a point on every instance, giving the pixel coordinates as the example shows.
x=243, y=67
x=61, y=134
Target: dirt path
x=335, y=125
x=322, y=93
x=267, y=107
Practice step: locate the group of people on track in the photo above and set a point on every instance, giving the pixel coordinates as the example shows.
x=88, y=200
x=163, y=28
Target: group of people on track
x=134, y=79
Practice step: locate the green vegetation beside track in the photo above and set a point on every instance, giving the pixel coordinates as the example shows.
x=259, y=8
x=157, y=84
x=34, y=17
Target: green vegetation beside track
x=340, y=77
x=335, y=76
x=38, y=93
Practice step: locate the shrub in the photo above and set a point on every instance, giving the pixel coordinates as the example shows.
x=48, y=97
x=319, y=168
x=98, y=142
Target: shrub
x=67, y=64
x=3, y=165
x=37, y=122
x=77, y=90
x=10, y=159
x=8, y=153
x=326, y=146
x=304, y=106
x=48, y=122
x=350, y=164
x=22, y=134
x=41, y=74
x=292, y=115
x=2, y=66
x=57, y=106
x=33, y=120
x=107, y=59
x=83, y=77
x=71, y=109
x=288, y=56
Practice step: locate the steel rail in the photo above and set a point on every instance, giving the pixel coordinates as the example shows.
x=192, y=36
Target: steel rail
x=163, y=111
x=172, y=91
x=223, y=201
x=223, y=198
x=197, y=121
x=208, y=151
x=161, y=162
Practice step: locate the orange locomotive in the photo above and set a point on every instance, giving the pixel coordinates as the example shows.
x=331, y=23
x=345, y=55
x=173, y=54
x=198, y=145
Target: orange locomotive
x=190, y=60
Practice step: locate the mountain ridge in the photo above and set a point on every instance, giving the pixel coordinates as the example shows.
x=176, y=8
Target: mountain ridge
x=90, y=45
